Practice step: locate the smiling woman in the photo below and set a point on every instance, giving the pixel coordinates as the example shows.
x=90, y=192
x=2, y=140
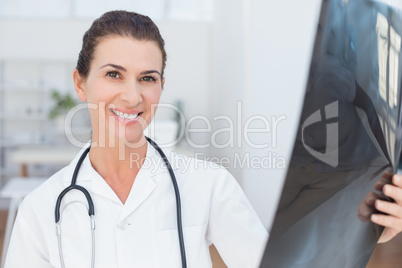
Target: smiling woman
x=141, y=220
x=125, y=76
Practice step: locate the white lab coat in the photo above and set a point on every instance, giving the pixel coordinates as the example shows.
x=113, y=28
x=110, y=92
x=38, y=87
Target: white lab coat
x=142, y=232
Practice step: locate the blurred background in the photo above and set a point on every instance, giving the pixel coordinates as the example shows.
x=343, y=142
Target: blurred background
x=39, y=49
x=228, y=69
x=233, y=65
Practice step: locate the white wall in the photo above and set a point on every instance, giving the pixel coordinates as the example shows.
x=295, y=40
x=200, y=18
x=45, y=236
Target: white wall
x=41, y=39
x=227, y=73
x=266, y=47
x=188, y=63
x=281, y=45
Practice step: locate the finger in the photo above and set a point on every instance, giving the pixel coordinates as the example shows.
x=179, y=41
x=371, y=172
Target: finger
x=380, y=183
x=393, y=192
x=370, y=198
x=397, y=180
x=389, y=208
x=387, y=221
x=366, y=208
x=364, y=212
x=387, y=175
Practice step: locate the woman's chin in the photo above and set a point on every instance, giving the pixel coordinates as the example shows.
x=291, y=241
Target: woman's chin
x=132, y=141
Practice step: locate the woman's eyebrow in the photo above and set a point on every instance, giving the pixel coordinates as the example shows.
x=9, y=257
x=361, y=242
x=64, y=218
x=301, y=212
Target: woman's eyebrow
x=150, y=72
x=118, y=67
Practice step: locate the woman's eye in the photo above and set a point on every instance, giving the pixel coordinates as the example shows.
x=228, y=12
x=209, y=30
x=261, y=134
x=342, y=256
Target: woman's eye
x=113, y=74
x=148, y=79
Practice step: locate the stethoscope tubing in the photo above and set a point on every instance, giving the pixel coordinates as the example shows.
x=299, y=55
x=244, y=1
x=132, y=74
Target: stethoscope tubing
x=178, y=202
x=91, y=207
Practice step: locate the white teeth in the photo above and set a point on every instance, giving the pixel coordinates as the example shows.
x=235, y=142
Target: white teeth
x=125, y=115
x=132, y=116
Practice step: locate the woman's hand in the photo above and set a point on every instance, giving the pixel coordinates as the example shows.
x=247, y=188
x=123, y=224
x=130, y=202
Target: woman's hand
x=392, y=217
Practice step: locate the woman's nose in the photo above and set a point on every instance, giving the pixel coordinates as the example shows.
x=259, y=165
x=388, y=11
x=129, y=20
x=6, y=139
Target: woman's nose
x=132, y=93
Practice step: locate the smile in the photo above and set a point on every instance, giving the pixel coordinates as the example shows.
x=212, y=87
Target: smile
x=125, y=115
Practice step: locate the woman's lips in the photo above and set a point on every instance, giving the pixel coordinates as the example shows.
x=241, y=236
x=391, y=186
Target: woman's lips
x=125, y=116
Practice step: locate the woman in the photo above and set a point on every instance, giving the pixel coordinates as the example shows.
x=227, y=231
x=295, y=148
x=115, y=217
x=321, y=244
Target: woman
x=120, y=75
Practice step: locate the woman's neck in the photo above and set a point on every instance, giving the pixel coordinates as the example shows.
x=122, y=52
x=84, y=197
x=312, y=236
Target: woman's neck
x=118, y=165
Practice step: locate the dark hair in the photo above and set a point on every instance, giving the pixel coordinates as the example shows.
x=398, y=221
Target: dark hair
x=122, y=23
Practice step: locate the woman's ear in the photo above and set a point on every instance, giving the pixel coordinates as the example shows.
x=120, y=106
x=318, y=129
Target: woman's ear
x=79, y=84
x=163, y=82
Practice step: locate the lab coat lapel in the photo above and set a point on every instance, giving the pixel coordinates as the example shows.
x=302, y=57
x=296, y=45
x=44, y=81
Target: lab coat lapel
x=142, y=188
x=158, y=166
x=145, y=182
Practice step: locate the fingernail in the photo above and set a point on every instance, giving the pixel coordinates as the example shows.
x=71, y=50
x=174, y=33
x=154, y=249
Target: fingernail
x=374, y=217
x=397, y=179
x=378, y=203
x=386, y=189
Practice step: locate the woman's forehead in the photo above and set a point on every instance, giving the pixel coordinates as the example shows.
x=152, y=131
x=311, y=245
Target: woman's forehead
x=128, y=51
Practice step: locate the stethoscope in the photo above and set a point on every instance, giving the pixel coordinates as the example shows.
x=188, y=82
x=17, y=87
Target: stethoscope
x=91, y=209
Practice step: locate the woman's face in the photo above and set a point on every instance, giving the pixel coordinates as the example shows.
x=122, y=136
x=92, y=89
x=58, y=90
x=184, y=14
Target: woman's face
x=122, y=89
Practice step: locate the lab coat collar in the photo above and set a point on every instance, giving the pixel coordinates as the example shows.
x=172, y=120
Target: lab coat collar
x=155, y=164
x=142, y=188
x=69, y=170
